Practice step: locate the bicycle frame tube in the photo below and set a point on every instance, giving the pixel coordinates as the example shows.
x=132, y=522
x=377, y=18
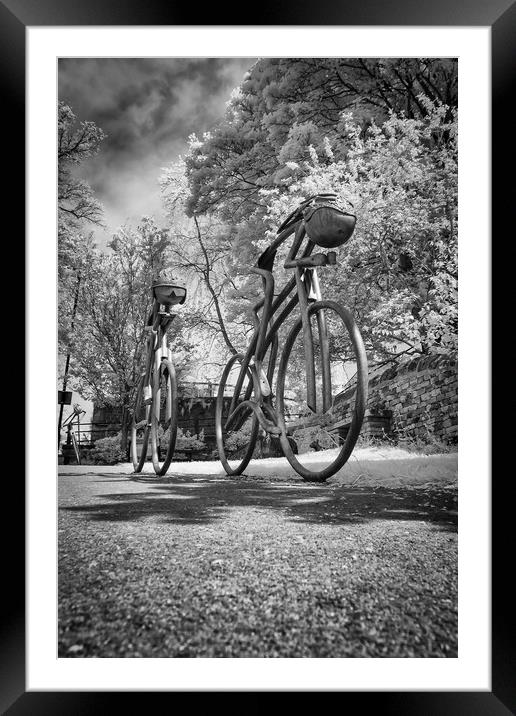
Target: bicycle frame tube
x=151, y=342
x=264, y=334
x=268, y=289
x=266, y=423
x=308, y=343
x=256, y=346
x=323, y=342
x=270, y=335
x=157, y=347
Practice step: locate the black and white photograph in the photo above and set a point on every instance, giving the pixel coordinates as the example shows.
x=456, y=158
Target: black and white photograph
x=257, y=360
x=258, y=249
x=258, y=354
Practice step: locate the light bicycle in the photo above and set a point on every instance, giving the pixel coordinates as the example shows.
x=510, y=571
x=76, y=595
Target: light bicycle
x=318, y=353
x=155, y=410
x=71, y=437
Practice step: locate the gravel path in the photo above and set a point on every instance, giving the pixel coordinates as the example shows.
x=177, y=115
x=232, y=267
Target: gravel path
x=205, y=566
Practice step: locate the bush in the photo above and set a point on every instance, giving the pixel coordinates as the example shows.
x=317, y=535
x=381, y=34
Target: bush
x=238, y=439
x=107, y=451
x=424, y=443
x=420, y=438
x=314, y=438
x=184, y=440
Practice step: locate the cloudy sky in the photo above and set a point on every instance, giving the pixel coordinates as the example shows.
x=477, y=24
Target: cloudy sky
x=148, y=107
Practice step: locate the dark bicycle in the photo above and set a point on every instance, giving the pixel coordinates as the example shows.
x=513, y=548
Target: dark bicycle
x=324, y=344
x=155, y=410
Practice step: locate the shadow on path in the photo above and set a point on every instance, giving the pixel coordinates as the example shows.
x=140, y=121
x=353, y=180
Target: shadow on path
x=196, y=500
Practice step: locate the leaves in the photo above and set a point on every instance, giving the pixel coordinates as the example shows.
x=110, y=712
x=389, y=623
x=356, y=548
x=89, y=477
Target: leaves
x=108, y=342
x=383, y=135
x=77, y=205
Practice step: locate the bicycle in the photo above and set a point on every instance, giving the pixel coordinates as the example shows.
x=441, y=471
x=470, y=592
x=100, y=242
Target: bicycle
x=323, y=328
x=155, y=407
x=71, y=437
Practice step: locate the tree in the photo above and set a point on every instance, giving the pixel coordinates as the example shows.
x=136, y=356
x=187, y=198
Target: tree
x=379, y=132
x=399, y=271
x=201, y=253
x=108, y=343
x=298, y=126
x=77, y=205
x=286, y=105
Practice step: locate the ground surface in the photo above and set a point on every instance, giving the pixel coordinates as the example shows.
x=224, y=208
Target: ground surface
x=197, y=564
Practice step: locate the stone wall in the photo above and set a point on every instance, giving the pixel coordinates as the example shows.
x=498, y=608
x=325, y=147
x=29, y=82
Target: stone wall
x=418, y=397
x=105, y=422
x=414, y=399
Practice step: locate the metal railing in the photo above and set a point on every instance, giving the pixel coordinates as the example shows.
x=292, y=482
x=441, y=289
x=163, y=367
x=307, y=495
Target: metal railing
x=84, y=432
x=201, y=389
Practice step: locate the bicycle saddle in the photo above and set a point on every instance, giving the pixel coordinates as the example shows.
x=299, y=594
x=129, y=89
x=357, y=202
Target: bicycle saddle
x=326, y=223
x=298, y=211
x=168, y=294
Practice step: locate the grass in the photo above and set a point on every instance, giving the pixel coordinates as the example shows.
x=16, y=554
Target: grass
x=196, y=566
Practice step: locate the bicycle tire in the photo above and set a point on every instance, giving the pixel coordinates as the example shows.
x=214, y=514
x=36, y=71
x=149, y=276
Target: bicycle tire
x=167, y=418
x=355, y=340
x=220, y=420
x=141, y=414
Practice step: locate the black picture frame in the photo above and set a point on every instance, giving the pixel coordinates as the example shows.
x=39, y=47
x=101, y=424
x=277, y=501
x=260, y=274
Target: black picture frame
x=500, y=16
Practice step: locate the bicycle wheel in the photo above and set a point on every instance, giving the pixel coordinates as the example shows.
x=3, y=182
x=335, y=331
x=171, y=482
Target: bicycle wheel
x=237, y=441
x=140, y=429
x=339, y=366
x=164, y=416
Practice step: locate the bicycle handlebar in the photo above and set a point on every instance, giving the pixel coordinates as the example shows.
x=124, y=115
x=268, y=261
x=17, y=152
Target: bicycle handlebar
x=319, y=259
x=297, y=213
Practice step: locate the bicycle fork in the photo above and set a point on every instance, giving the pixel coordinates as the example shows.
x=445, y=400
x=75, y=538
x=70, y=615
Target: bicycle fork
x=309, y=290
x=161, y=352
x=261, y=325
x=156, y=354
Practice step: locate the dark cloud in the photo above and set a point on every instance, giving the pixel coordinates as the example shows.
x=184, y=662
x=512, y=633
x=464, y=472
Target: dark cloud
x=148, y=107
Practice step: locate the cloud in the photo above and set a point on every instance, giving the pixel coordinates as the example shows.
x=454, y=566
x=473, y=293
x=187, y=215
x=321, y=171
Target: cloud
x=148, y=107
